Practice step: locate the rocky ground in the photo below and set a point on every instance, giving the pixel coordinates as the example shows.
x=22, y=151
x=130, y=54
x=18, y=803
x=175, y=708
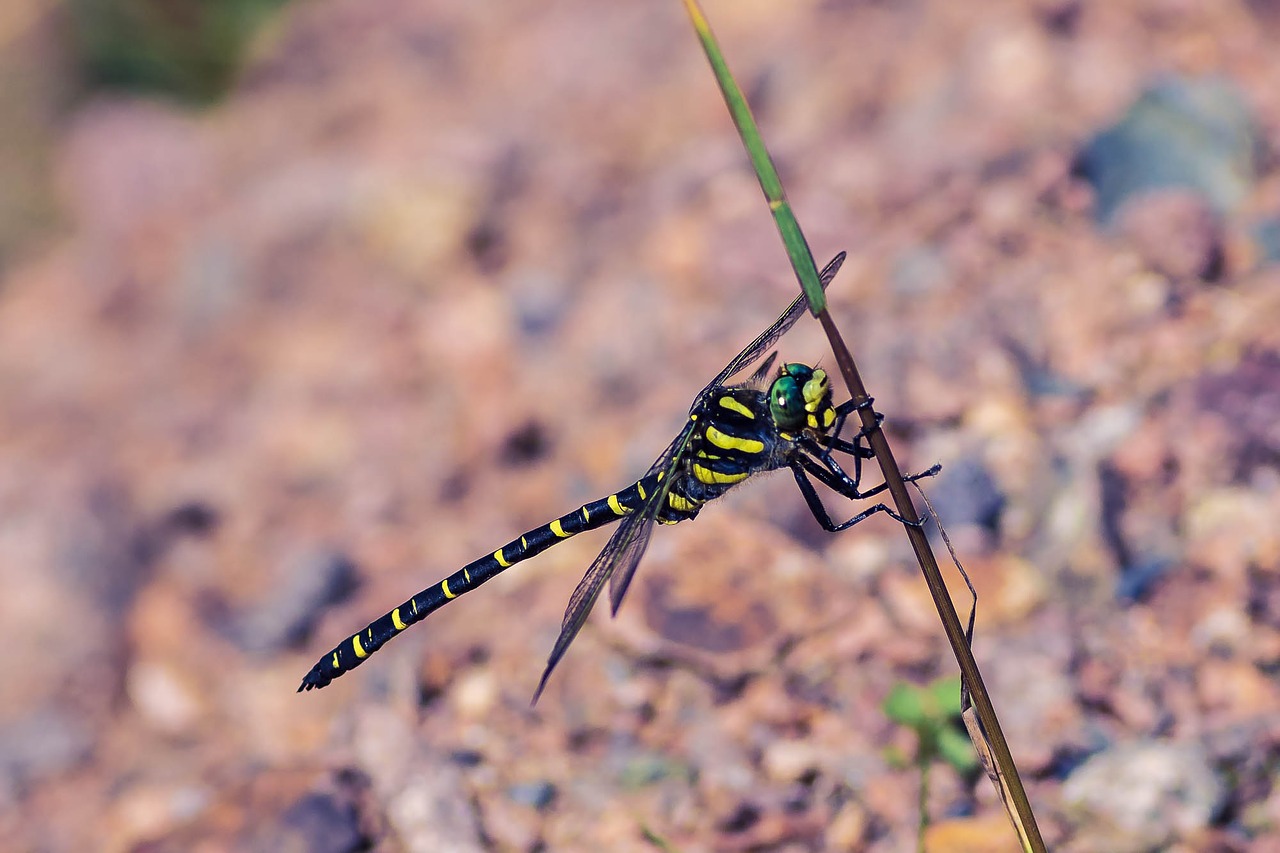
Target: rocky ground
x=436, y=272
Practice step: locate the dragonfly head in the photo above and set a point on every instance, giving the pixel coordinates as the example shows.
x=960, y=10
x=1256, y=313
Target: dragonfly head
x=801, y=397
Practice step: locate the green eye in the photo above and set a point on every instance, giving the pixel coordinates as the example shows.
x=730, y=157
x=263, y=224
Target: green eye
x=786, y=402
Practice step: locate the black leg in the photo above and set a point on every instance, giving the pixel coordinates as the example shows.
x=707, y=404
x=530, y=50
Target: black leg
x=822, y=446
x=853, y=448
x=835, y=476
x=838, y=482
x=801, y=467
x=847, y=408
x=858, y=447
x=847, y=486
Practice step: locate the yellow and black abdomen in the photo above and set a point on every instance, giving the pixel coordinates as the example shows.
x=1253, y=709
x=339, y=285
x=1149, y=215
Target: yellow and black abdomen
x=355, y=649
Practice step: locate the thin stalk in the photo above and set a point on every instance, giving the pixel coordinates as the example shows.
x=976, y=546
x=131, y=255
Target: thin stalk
x=986, y=733
x=923, y=803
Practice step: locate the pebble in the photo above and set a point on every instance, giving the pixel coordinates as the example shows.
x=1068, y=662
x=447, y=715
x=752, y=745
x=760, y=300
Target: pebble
x=966, y=492
x=475, y=693
x=1176, y=232
x=847, y=828
x=165, y=697
x=1181, y=134
x=48, y=742
x=1235, y=690
x=1143, y=796
x=537, y=795
x=322, y=823
x=789, y=760
x=288, y=615
x=990, y=833
x=146, y=811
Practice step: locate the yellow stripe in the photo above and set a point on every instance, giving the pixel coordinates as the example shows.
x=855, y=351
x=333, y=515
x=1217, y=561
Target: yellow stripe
x=336, y=664
x=640, y=488
x=661, y=474
x=558, y=530
x=679, y=502
x=813, y=421
x=523, y=542
x=359, y=649
x=732, y=442
x=706, y=475
x=413, y=603
x=734, y=406
x=618, y=509
x=444, y=587
x=586, y=514
x=828, y=417
x=397, y=621
x=502, y=561
x=466, y=574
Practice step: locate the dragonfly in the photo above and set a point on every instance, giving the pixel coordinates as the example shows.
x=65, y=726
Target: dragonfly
x=732, y=433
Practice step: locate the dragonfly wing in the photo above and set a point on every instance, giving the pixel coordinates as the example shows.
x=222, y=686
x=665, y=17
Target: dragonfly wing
x=757, y=379
x=619, y=558
x=627, y=544
x=625, y=567
x=779, y=328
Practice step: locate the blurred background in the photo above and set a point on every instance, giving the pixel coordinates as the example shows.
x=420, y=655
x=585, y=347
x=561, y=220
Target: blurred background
x=305, y=305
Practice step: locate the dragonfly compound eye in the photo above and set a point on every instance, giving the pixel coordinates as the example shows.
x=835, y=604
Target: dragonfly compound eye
x=786, y=402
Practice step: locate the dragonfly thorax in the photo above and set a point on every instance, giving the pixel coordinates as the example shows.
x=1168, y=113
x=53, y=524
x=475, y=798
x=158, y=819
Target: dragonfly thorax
x=801, y=397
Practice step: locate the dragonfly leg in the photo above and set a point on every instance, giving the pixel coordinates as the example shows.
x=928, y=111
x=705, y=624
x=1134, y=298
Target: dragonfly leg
x=845, y=485
x=835, y=475
x=849, y=486
x=850, y=406
x=802, y=471
x=843, y=411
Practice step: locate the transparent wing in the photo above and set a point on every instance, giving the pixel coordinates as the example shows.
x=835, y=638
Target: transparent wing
x=620, y=557
x=624, y=567
x=779, y=328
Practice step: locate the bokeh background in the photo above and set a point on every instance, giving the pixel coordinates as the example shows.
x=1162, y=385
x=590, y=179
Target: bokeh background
x=303, y=306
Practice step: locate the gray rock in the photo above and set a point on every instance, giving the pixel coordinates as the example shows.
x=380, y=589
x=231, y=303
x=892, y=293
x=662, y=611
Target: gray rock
x=1143, y=796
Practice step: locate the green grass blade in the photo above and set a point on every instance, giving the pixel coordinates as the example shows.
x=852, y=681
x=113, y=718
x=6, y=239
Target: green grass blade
x=792, y=237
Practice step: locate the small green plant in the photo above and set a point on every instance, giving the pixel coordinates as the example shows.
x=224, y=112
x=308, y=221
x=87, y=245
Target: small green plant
x=190, y=50
x=933, y=713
